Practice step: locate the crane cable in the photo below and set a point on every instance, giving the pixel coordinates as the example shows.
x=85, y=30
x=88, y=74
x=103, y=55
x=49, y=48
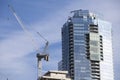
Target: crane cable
x=46, y=44
x=42, y=36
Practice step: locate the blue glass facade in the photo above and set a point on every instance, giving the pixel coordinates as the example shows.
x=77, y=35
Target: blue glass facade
x=81, y=64
x=82, y=46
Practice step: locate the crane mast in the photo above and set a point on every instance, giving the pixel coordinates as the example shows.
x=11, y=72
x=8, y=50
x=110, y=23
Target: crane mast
x=39, y=55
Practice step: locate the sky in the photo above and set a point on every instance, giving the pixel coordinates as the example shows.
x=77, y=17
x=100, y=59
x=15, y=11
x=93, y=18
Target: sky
x=18, y=51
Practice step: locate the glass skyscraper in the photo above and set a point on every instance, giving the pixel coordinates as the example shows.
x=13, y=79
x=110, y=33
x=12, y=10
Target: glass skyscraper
x=87, y=47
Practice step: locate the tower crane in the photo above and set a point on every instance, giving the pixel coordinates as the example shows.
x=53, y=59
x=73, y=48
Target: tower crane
x=43, y=55
x=40, y=56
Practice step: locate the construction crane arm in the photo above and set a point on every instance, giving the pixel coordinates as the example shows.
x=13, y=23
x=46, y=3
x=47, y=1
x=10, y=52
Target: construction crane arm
x=23, y=27
x=28, y=33
x=17, y=18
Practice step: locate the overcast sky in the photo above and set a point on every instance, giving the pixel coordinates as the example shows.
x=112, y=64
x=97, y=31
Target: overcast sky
x=17, y=52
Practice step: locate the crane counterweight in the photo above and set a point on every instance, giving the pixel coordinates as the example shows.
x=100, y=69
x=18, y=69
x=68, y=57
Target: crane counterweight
x=42, y=56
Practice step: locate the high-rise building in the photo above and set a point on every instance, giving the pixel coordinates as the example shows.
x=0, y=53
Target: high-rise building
x=87, y=47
